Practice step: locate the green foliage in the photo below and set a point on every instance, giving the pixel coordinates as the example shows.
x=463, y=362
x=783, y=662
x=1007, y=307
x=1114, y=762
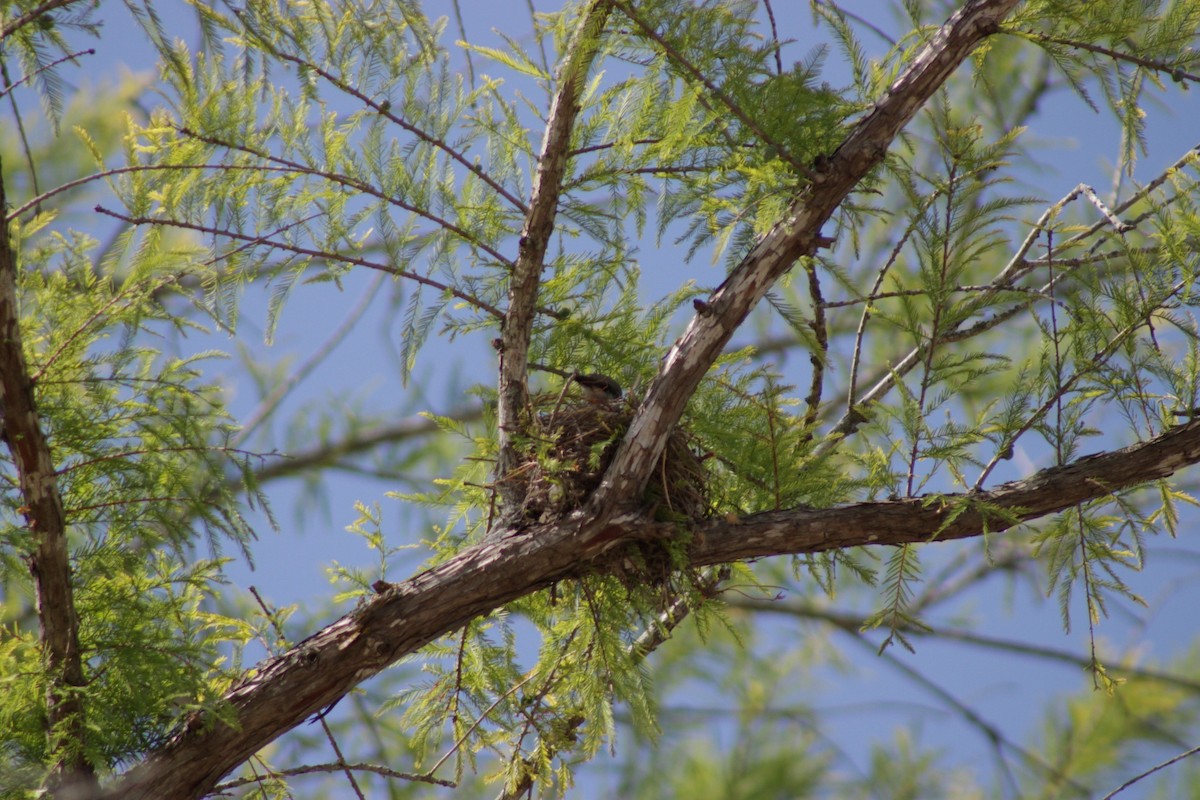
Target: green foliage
x=337, y=189
x=1085, y=41
x=299, y=144
x=40, y=45
x=140, y=444
x=139, y=440
x=1091, y=743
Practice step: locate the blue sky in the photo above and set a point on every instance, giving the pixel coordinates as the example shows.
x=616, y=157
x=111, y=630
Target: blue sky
x=291, y=565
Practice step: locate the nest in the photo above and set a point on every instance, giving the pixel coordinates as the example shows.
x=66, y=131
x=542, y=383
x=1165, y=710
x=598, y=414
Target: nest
x=573, y=445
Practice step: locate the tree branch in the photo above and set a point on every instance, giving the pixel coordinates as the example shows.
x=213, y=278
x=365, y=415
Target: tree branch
x=1177, y=73
x=923, y=519
x=48, y=556
x=352, y=183
x=327, y=453
x=853, y=624
x=797, y=235
x=283, y=691
x=309, y=252
x=32, y=15
x=517, y=326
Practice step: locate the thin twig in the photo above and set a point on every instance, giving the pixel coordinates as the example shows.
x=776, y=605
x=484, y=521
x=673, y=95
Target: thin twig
x=462, y=33
x=1151, y=771
x=360, y=441
x=271, y=402
x=97, y=315
x=967, y=289
x=774, y=37
x=357, y=185
x=1099, y=358
x=35, y=202
x=8, y=87
x=854, y=622
x=462, y=739
x=305, y=251
x=310, y=769
x=657, y=632
x=1187, y=158
x=1016, y=267
x=994, y=736
x=1177, y=74
x=384, y=109
x=858, y=18
x=714, y=91
x=31, y=15
x=820, y=356
x=935, y=330
x=856, y=354
x=25, y=148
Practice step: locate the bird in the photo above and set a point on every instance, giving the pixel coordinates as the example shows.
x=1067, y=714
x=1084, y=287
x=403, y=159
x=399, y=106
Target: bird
x=597, y=389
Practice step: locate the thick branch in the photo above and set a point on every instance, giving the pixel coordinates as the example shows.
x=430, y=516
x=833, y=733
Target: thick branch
x=49, y=559
x=917, y=520
x=517, y=327
x=798, y=234
x=284, y=691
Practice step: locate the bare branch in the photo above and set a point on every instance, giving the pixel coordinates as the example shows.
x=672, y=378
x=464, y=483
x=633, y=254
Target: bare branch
x=271, y=402
x=91, y=51
x=1177, y=73
x=854, y=623
x=1147, y=773
x=318, y=769
x=1065, y=385
x=359, y=441
x=1017, y=267
x=818, y=358
x=36, y=202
